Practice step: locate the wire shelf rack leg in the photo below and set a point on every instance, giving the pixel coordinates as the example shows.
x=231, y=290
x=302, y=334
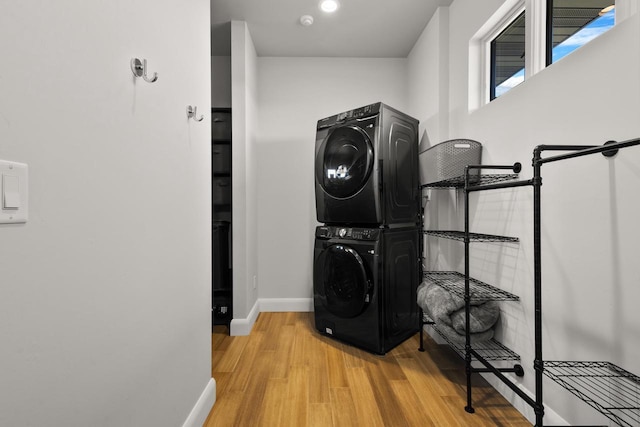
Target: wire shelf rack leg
x=538, y=364
x=467, y=298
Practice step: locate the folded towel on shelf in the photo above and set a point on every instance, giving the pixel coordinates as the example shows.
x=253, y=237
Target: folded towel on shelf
x=447, y=311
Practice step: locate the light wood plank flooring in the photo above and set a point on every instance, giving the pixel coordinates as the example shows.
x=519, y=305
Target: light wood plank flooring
x=287, y=374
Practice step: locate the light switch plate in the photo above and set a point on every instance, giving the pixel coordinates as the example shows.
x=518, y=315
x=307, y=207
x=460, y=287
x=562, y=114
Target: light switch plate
x=14, y=192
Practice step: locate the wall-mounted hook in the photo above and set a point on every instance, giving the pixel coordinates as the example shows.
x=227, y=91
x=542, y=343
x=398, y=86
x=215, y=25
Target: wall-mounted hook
x=139, y=69
x=192, y=112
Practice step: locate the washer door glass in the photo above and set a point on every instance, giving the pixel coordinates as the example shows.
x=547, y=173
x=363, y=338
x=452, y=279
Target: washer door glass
x=341, y=281
x=347, y=156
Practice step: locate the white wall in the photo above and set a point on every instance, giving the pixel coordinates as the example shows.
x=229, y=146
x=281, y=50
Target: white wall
x=244, y=187
x=293, y=93
x=105, y=293
x=590, y=210
x=428, y=72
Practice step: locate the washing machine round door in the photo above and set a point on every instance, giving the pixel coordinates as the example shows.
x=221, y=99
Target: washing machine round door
x=344, y=161
x=341, y=282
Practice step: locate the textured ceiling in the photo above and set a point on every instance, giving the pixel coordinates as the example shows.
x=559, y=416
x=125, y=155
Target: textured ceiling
x=360, y=28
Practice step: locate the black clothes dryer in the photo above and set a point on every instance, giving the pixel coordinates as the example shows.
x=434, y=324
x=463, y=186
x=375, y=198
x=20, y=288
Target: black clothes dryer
x=366, y=167
x=365, y=282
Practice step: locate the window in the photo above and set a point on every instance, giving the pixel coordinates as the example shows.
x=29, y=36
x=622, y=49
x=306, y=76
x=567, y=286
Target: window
x=514, y=45
x=507, y=57
x=573, y=23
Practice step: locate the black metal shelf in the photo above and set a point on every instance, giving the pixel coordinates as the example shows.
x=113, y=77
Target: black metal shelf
x=474, y=181
x=490, y=350
x=473, y=237
x=462, y=285
x=606, y=387
x=479, y=291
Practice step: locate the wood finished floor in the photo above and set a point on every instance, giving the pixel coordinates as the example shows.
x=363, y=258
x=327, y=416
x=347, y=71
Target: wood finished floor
x=287, y=374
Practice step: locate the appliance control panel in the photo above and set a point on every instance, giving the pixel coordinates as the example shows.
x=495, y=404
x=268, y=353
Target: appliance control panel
x=358, y=113
x=350, y=233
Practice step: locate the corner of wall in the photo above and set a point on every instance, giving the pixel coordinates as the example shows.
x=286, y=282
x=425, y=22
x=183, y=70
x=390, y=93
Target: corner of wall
x=203, y=406
x=243, y=326
x=243, y=82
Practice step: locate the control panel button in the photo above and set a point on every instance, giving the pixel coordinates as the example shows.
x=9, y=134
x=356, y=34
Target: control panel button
x=323, y=232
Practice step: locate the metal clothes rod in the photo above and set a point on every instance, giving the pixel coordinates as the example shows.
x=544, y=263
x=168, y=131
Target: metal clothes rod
x=498, y=373
x=499, y=186
x=565, y=147
x=516, y=168
x=582, y=150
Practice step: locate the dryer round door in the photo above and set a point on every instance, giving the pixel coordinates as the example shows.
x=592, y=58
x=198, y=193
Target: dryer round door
x=344, y=161
x=341, y=282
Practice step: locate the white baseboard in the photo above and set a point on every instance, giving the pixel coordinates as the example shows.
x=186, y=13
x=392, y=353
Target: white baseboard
x=551, y=417
x=286, y=304
x=244, y=326
x=203, y=406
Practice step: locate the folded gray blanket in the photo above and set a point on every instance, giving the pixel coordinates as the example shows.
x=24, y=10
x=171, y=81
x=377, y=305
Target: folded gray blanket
x=447, y=311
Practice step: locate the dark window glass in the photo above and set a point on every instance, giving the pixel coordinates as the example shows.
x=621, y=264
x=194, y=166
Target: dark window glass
x=573, y=23
x=507, y=57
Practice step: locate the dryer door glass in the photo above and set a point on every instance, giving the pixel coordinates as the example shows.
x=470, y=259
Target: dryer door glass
x=341, y=281
x=347, y=156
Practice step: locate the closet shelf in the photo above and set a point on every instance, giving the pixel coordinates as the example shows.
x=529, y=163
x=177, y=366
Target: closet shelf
x=490, y=350
x=606, y=387
x=478, y=180
x=479, y=291
x=473, y=237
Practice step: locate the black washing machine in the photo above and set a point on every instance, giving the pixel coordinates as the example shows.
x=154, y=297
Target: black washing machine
x=366, y=167
x=364, y=285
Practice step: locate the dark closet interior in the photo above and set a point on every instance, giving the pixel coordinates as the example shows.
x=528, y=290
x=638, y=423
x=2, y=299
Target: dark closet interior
x=222, y=293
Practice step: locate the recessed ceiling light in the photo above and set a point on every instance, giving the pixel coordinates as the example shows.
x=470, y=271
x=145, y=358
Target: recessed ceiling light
x=329, y=6
x=607, y=9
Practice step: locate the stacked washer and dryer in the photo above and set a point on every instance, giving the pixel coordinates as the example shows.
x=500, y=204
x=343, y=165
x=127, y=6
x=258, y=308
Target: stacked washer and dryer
x=366, y=255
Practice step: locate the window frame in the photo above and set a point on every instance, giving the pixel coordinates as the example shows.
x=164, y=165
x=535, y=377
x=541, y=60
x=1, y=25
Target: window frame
x=489, y=32
x=548, y=36
x=492, y=54
x=538, y=29
x=549, y=29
